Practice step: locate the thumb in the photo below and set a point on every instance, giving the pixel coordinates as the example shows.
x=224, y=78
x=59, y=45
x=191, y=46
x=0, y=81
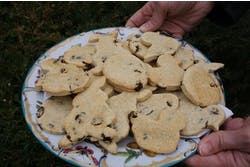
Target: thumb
x=224, y=140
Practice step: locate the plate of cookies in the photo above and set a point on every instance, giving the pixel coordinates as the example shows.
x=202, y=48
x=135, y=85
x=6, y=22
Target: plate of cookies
x=117, y=97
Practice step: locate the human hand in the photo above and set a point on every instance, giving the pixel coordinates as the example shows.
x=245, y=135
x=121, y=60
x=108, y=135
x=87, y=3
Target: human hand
x=229, y=147
x=176, y=18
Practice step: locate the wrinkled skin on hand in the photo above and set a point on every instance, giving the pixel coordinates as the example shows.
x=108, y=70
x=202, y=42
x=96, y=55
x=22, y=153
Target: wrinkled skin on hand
x=176, y=18
x=228, y=147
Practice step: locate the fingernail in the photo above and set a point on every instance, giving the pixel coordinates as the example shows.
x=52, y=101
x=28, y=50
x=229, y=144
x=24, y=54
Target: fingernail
x=144, y=27
x=205, y=149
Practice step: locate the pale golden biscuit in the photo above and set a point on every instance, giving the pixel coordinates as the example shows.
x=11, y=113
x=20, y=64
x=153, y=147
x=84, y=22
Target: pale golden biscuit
x=197, y=118
x=136, y=47
x=61, y=79
x=158, y=45
x=91, y=116
x=167, y=75
x=200, y=87
x=122, y=105
x=95, y=37
x=157, y=103
x=173, y=118
x=123, y=44
x=107, y=46
x=109, y=90
x=153, y=136
x=51, y=114
x=143, y=95
x=126, y=72
x=80, y=56
x=216, y=117
x=186, y=56
x=90, y=119
x=109, y=146
x=96, y=84
x=51, y=64
x=210, y=67
x=64, y=142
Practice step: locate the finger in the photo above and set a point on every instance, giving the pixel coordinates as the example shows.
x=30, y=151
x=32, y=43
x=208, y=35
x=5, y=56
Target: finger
x=154, y=22
x=222, y=159
x=247, y=122
x=140, y=17
x=172, y=29
x=233, y=124
x=224, y=140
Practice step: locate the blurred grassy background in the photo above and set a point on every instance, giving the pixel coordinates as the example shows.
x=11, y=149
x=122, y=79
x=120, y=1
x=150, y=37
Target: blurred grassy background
x=27, y=29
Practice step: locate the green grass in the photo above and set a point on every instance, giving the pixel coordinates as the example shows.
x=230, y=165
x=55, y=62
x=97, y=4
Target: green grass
x=27, y=29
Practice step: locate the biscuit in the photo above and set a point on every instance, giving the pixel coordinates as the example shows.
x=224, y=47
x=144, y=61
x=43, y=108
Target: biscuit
x=199, y=86
x=185, y=56
x=97, y=83
x=210, y=67
x=109, y=146
x=107, y=46
x=197, y=118
x=52, y=113
x=60, y=79
x=108, y=89
x=65, y=142
x=122, y=105
x=125, y=72
x=80, y=56
x=136, y=47
x=153, y=106
x=153, y=136
x=173, y=118
x=143, y=94
x=158, y=45
x=90, y=119
x=167, y=75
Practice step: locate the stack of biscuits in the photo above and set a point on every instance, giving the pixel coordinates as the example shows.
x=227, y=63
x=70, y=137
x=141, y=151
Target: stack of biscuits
x=149, y=85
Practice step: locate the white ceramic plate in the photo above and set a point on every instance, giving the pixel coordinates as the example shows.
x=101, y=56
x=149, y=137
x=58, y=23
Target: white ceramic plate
x=86, y=154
